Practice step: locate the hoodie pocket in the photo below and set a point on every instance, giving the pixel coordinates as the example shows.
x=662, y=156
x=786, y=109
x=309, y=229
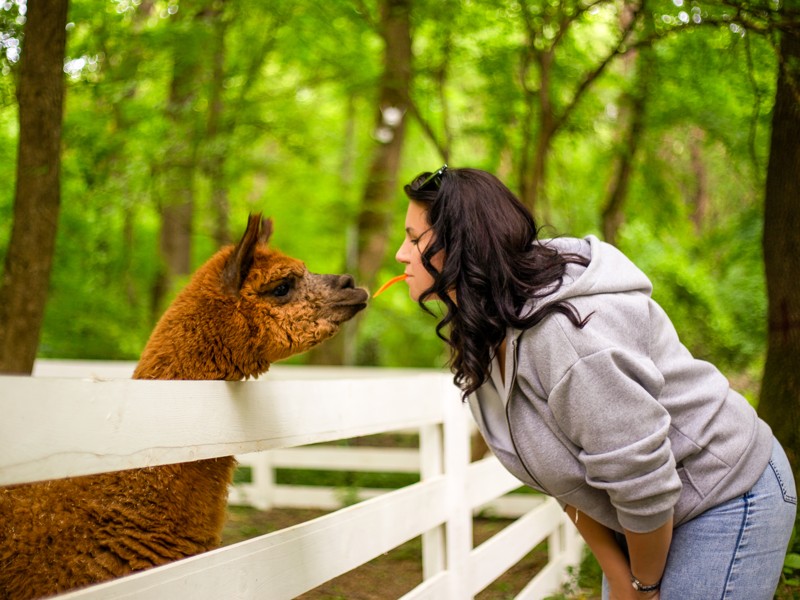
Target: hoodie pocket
x=690, y=495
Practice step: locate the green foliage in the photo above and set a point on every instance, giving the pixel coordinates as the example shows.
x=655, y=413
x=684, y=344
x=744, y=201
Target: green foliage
x=584, y=581
x=344, y=479
x=8, y=159
x=298, y=98
x=791, y=566
x=12, y=21
x=716, y=301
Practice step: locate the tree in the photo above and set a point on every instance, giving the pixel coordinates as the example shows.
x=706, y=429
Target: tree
x=632, y=115
x=26, y=276
x=230, y=83
x=177, y=173
x=214, y=164
x=389, y=133
x=375, y=210
x=779, y=403
x=546, y=26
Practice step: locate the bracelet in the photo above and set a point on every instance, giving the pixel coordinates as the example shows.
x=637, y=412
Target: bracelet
x=640, y=587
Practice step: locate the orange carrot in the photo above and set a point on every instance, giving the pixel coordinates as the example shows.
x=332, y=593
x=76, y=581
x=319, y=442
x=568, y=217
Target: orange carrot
x=392, y=281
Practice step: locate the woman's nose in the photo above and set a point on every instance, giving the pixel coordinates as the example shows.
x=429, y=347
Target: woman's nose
x=400, y=254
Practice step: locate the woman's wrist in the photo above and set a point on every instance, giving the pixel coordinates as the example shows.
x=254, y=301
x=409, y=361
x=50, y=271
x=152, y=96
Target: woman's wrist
x=644, y=587
x=648, y=556
x=643, y=590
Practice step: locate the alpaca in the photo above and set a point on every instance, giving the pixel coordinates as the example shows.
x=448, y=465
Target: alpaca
x=248, y=306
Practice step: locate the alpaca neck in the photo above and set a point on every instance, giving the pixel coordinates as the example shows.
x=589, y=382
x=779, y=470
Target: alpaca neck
x=190, y=343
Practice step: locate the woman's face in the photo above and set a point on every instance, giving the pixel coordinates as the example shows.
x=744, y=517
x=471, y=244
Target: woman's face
x=418, y=236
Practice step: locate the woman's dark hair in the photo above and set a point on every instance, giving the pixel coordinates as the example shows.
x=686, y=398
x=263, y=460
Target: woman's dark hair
x=493, y=263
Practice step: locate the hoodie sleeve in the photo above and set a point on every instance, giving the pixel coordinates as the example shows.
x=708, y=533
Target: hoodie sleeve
x=606, y=404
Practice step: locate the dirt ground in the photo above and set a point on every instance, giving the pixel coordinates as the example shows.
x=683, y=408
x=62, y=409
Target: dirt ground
x=399, y=571
x=390, y=575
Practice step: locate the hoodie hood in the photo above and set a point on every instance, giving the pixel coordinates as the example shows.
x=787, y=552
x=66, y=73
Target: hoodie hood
x=609, y=271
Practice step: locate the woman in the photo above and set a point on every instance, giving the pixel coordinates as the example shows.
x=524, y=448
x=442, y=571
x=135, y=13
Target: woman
x=582, y=389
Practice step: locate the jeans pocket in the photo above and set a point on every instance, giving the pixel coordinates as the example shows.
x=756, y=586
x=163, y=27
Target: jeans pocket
x=786, y=483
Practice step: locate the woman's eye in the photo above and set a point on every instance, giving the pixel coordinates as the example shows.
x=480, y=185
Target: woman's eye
x=281, y=290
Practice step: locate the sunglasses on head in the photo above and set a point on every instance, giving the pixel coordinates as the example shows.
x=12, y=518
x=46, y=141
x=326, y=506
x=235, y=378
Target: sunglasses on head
x=432, y=183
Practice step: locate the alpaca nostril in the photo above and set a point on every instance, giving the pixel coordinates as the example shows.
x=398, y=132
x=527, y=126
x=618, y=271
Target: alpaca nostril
x=346, y=282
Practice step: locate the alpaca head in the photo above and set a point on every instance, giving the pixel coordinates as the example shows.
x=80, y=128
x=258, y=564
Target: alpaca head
x=292, y=308
x=247, y=307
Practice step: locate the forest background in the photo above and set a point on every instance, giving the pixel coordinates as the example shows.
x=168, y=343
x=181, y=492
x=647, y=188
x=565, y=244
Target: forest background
x=219, y=108
x=137, y=135
x=667, y=127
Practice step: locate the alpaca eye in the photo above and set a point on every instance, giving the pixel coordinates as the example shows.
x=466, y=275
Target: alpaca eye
x=281, y=290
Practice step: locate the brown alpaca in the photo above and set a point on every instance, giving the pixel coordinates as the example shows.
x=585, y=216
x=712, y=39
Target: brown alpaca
x=248, y=306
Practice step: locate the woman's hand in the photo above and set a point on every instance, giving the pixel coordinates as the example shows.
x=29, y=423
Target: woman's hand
x=614, y=563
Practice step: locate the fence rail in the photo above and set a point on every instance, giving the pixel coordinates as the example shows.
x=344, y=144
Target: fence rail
x=87, y=423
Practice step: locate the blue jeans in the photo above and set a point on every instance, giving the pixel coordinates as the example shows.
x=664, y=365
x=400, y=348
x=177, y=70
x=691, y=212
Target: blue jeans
x=734, y=551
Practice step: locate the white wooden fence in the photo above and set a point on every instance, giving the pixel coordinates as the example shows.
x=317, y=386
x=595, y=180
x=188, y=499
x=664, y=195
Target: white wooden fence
x=78, y=418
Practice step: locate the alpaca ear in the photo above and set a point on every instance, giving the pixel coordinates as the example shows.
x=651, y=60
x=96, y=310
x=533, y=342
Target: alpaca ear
x=238, y=264
x=266, y=231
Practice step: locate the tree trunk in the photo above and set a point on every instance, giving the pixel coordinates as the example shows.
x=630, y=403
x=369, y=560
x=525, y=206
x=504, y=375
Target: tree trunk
x=779, y=404
x=533, y=197
x=40, y=95
x=545, y=30
x=215, y=136
x=613, y=214
x=377, y=200
x=225, y=114
x=341, y=349
x=124, y=72
x=533, y=159
x=699, y=197
x=547, y=131
x=381, y=186
x=632, y=113
x=176, y=189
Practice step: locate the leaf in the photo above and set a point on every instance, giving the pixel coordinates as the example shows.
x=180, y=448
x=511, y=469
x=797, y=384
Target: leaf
x=792, y=561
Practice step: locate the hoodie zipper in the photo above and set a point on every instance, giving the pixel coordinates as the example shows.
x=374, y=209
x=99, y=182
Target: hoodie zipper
x=508, y=415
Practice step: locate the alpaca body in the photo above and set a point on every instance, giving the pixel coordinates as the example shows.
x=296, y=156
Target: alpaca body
x=74, y=532
x=247, y=307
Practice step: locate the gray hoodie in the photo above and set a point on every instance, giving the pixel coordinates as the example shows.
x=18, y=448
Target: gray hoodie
x=618, y=419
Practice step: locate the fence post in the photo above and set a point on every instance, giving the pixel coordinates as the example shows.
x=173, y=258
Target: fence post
x=556, y=544
x=262, y=471
x=458, y=543
x=431, y=450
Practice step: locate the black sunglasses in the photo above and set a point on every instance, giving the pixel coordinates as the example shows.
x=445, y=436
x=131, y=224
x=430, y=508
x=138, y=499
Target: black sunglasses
x=432, y=183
